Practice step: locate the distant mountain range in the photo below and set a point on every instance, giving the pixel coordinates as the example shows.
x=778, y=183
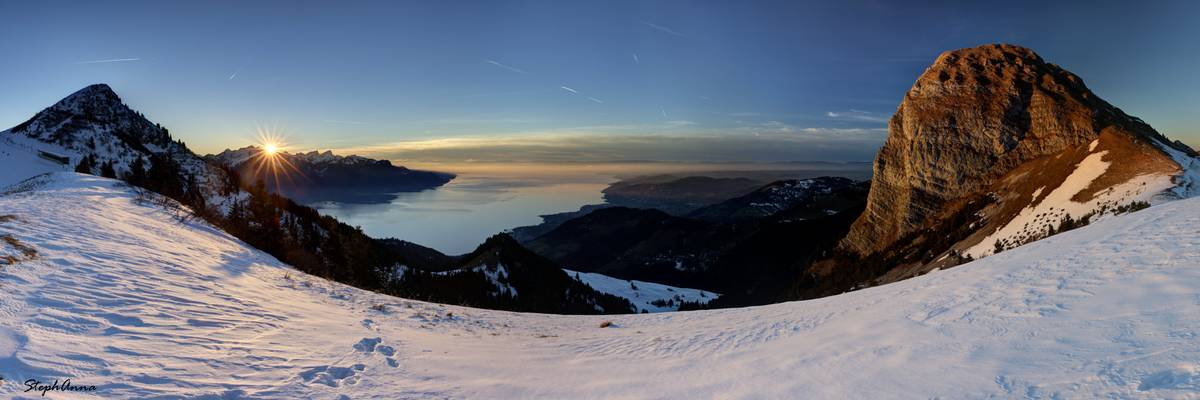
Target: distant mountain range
x=729, y=197
x=677, y=195
x=92, y=131
x=748, y=248
x=323, y=176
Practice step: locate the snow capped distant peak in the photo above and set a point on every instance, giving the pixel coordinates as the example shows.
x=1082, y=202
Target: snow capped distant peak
x=326, y=157
x=236, y=157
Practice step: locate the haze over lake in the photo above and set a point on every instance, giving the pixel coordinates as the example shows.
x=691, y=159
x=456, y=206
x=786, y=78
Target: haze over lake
x=486, y=199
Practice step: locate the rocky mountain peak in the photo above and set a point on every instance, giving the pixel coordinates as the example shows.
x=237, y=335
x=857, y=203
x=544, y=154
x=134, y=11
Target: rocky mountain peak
x=971, y=119
x=91, y=116
x=96, y=96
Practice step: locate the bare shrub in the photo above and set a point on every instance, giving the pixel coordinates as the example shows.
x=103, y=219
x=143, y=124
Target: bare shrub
x=175, y=209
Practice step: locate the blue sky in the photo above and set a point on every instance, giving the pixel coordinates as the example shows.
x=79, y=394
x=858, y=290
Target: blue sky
x=570, y=81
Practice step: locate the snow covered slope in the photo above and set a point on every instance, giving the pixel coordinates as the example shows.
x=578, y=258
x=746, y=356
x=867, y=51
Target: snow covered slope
x=20, y=160
x=646, y=296
x=124, y=297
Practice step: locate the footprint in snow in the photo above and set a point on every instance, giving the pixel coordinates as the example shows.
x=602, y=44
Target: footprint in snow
x=372, y=345
x=367, y=345
x=1184, y=377
x=333, y=376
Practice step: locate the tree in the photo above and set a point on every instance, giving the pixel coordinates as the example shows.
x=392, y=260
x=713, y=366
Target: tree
x=137, y=172
x=107, y=171
x=164, y=177
x=86, y=164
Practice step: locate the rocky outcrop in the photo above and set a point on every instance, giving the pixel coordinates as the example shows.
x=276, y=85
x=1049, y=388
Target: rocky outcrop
x=973, y=118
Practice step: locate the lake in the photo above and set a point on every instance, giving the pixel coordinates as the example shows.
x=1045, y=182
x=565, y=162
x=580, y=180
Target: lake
x=486, y=199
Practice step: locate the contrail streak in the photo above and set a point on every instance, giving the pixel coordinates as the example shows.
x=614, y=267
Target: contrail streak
x=508, y=67
x=108, y=61
x=663, y=29
x=569, y=89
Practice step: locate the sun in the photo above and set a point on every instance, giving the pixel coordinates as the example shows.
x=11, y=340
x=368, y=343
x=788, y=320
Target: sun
x=270, y=142
x=270, y=164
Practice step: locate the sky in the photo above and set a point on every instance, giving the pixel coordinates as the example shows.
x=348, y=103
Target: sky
x=567, y=81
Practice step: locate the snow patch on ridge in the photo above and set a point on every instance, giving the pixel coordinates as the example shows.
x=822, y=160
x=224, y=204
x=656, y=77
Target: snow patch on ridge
x=646, y=296
x=19, y=158
x=1040, y=217
x=1187, y=182
x=496, y=274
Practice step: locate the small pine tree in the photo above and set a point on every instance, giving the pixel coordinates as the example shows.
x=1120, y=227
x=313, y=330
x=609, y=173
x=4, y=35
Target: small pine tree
x=85, y=165
x=137, y=172
x=107, y=171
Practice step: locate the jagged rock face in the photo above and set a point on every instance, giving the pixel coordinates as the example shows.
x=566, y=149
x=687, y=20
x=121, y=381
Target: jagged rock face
x=972, y=117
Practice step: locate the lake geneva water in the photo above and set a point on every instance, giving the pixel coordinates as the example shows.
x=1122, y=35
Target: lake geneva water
x=488, y=199
x=458, y=216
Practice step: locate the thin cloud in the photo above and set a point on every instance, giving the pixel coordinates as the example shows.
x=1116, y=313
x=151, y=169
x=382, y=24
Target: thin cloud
x=569, y=89
x=505, y=66
x=234, y=75
x=769, y=142
x=663, y=29
x=886, y=59
x=857, y=115
x=112, y=60
x=635, y=59
x=595, y=100
x=664, y=111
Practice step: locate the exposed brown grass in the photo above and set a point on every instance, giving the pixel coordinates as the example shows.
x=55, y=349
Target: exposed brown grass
x=1128, y=157
x=27, y=253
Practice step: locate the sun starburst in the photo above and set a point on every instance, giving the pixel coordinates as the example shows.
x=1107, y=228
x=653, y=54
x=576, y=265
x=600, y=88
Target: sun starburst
x=269, y=164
